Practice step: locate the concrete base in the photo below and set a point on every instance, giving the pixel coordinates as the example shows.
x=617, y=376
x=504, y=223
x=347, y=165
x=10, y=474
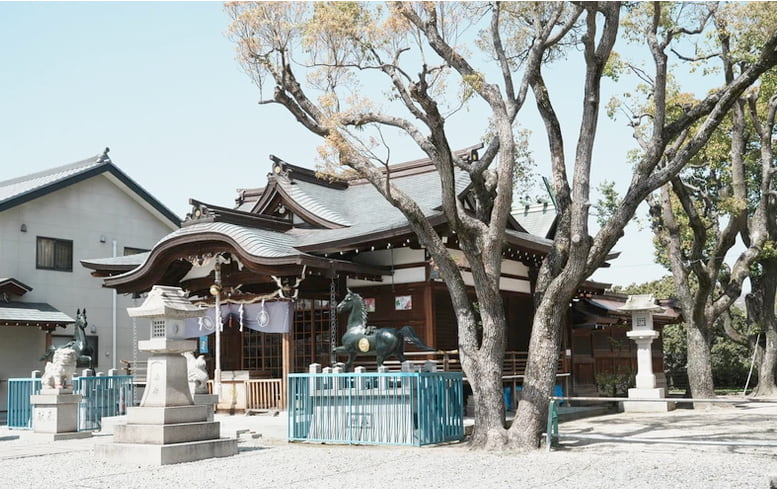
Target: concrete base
x=136, y=453
x=55, y=413
x=648, y=406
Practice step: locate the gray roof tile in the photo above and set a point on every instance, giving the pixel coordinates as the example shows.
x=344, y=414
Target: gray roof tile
x=257, y=242
x=15, y=187
x=31, y=313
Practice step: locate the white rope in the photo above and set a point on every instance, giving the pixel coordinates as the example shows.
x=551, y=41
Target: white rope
x=752, y=364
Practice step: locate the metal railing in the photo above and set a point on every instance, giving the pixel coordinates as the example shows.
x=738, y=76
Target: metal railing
x=396, y=408
x=102, y=396
x=19, y=407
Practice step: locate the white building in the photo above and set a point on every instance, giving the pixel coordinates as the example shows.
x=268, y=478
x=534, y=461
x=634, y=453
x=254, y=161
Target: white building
x=49, y=221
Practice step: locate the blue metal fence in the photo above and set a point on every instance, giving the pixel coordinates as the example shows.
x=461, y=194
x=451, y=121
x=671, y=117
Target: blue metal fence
x=396, y=408
x=19, y=408
x=102, y=396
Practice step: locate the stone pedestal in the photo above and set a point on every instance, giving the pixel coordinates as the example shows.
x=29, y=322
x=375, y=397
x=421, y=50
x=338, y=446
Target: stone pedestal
x=55, y=414
x=648, y=406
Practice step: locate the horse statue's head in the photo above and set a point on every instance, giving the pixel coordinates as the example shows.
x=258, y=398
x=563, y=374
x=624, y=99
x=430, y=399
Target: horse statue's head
x=81, y=319
x=353, y=302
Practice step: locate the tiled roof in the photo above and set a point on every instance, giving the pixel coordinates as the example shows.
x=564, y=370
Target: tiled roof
x=358, y=208
x=10, y=285
x=22, y=189
x=315, y=199
x=256, y=242
x=128, y=260
x=31, y=314
x=537, y=219
x=27, y=184
x=370, y=213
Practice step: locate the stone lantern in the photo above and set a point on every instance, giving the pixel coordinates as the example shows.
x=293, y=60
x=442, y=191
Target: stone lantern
x=168, y=427
x=168, y=382
x=642, y=308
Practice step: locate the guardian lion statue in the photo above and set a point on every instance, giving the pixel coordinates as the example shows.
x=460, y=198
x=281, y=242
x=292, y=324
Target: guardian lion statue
x=59, y=372
x=198, y=374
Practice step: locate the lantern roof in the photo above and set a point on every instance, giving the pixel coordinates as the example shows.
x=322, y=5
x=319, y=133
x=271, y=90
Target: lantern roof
x=641, y=302
x=166, y=302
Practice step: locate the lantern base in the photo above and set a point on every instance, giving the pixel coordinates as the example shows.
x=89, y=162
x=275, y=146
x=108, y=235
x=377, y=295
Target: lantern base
x=648, y=406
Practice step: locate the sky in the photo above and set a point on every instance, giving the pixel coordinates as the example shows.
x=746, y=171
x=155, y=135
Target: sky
x=159, y=84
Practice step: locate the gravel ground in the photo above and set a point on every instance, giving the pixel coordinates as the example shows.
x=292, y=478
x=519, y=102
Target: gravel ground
x=267, y=461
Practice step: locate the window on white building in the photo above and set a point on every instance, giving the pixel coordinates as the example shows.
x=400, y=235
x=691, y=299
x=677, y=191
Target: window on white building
x=54, y=254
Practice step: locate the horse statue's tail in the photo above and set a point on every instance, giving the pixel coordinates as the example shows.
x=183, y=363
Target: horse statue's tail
x=408, y=333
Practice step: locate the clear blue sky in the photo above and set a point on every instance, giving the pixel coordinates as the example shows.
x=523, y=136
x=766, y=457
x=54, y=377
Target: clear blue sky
x=158, y=83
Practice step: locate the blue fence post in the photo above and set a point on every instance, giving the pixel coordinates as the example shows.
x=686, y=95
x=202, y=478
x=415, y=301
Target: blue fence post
x=552, y=428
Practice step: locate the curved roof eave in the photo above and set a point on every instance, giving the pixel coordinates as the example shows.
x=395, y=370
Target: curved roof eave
x=215, y=237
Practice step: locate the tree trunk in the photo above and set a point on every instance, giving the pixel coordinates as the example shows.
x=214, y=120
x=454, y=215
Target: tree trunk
x=541, y=367
x=760, y=303
x=489, y=432
x=700, y=361
x=486, y=365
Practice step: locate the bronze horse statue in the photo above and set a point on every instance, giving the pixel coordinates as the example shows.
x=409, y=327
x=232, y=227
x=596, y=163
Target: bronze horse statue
x=362, y=339
x=78, y=343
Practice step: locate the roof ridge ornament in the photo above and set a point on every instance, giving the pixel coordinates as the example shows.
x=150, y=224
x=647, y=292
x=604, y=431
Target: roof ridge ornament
x=104, y=158
x=279, y=168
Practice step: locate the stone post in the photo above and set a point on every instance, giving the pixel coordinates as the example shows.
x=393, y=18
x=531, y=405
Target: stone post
x=642, y=308
x=383, y=382
x=339, y=382
x=315, y=384
x=327, y=381
x=361, y=382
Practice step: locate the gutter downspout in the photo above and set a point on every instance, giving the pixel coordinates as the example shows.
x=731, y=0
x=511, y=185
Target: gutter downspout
x=113, y=312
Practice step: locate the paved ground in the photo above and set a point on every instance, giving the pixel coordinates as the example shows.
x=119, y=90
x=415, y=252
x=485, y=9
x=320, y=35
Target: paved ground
x=266, y=460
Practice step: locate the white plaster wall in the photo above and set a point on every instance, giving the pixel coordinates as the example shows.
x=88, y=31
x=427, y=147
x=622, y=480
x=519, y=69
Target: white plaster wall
x=388, y=258
x=83, y=212
x=404, y=256
x=17, y=343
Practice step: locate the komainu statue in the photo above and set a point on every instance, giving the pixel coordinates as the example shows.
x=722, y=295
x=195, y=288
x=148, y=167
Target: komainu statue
x=198, y=374
x=59, y=372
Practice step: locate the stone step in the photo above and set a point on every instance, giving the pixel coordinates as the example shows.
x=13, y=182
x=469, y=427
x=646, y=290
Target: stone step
x=168, y=415
x=166, y=434
x=140, y=454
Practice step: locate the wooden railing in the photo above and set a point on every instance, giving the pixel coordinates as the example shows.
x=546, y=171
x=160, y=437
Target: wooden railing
x=264, y=394
x=138, y=371
x=448, y=361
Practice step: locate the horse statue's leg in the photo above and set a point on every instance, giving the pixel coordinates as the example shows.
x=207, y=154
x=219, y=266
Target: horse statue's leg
x=351, y=359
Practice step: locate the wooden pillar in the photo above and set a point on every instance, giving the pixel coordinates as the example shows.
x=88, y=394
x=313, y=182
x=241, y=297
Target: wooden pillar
x=48, y=340
x=286, y=352
x=430, y=328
